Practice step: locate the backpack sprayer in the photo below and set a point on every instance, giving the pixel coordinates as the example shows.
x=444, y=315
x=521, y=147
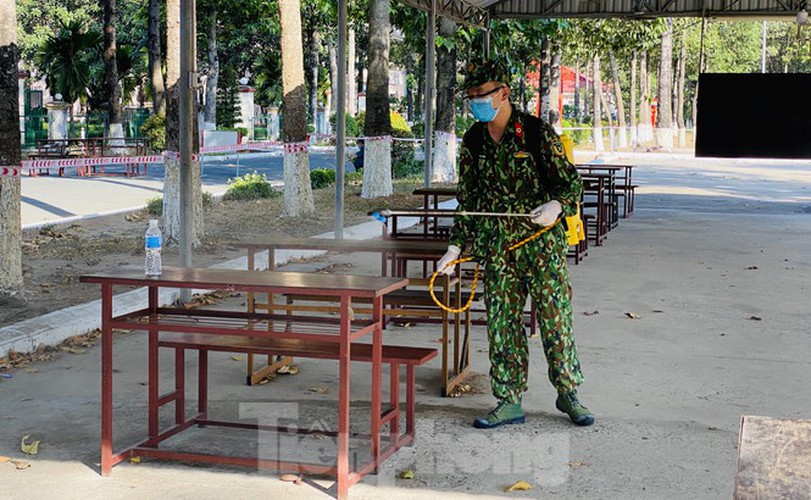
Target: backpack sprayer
x=383, y=216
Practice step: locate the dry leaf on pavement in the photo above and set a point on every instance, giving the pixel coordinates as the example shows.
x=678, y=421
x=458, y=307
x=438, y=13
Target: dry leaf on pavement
x=520, y=486
x=590, y=313
x=754, y=318
x=575, y=464
x=633, y=315
x=407, y=474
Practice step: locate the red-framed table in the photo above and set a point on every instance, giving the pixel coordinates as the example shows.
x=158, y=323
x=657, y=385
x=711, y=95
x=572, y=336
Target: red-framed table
x=155, y=319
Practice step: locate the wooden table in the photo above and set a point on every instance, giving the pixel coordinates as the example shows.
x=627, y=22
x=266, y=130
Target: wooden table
x=341, y=331
x=396, y=254
x=624, y=186
x=601, y=187
x=434, y=193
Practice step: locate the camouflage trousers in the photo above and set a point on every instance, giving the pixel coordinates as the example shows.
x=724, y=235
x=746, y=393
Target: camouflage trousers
x=537, y=269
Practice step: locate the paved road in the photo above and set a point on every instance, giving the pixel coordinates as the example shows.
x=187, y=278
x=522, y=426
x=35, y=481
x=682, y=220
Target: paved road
x=48, y=199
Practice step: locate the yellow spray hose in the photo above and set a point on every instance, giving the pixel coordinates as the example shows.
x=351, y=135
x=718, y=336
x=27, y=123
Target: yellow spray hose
x=475, y=273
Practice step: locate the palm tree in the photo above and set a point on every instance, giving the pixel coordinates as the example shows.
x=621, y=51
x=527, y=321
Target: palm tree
x=115, y=128
x=444, y=161
x=11, y=273
x=377, y=169
x=298, y=194
x=65, y=58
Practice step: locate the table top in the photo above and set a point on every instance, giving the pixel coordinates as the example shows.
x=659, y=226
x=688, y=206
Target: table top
x=280, y=282
x=439, y=191
x=376, y=246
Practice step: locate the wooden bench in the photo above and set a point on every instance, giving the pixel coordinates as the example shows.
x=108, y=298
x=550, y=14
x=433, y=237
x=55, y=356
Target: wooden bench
x=394, y=356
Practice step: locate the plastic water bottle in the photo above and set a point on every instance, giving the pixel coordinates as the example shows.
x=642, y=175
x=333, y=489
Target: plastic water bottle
x=152, y=247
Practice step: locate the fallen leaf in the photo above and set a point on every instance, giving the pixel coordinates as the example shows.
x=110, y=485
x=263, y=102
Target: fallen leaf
x=520, y=486
x=29, y=449
x=319, y=390
x=658, y=311
x=633, y=315
x=288, y=370
x=407, y=474
x=135, y=460
x=237, y=358
x=754, y=318
x=21, y=464
x=403, y=325
x=291, y=478
x=712, y=428
x=4, y=459
x=590, y=313
x=577, y=464
x=73, y=350
x=751, y=268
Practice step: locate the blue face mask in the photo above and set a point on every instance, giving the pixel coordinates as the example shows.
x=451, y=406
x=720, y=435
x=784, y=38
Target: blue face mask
x=482, y=108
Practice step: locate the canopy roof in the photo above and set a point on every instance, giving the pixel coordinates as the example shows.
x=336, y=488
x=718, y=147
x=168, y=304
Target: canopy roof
x=477, y=11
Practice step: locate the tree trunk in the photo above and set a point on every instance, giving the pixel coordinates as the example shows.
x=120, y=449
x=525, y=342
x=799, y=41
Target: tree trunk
x=645, y=125
x=596, y=112
x=664, y=115
x=313, y=84
x=577, y=97
x=605, y=102
x=351, y=75
x=377, y=164
x=171, y=181
x=11, y=272
x=409, y=91
x=444, y=161
x=156, y=58
x=680, y=88
x=545, y=77
x=298, y=194
x=115, y=129
x=333, y=76
x=632, y=99
x=212, y=82
x=554, y=86
x=615, y=77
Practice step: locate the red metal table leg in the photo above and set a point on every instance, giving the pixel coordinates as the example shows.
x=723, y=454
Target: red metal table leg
x=342, y=480
x=106, y=380
x=377, y=374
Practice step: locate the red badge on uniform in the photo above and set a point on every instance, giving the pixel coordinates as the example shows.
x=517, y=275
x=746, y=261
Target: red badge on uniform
x=519, y=130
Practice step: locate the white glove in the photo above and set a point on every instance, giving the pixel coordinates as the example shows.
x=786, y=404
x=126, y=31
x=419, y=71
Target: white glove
x=451, y=255
x=546, y=214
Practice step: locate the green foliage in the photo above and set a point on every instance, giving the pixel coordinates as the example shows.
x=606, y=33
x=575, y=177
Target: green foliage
x=463, y=123
x=154, y=131
x=353, y=178
x=322, y=177
x=352, y=128
x=227, y=104
x=66, y=57
x=250, y=187
x=38, y=20
x=154, y=206
x=406, y=167
x=580, y=136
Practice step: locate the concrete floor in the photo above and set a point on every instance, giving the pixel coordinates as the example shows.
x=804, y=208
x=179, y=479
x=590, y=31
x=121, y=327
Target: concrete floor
x=668, y=388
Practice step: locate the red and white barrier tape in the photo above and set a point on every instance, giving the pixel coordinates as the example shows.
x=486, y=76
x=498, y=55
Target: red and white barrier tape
x=9, y=171
x=295, y=147
x=176, y=156
x=89, y=162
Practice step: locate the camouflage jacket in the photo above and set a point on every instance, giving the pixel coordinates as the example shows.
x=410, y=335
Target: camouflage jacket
x=505, y=178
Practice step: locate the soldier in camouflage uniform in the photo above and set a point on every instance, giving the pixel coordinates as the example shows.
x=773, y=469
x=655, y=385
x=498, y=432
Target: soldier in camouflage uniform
x=499, y=174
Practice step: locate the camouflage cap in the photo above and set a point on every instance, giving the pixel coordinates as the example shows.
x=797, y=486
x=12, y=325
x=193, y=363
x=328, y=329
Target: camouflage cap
x=480, y=71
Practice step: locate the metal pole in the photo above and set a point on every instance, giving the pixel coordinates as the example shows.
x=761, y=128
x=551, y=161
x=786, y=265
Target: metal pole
x=763, y=50
x=340, y=122
x=430, y=91
x=188, y=81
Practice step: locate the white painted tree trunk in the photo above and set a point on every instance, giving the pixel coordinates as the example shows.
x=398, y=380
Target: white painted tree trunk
x=171, y=200
x=664, y=138
x=298, y=194
x=623, y=137
x=11, y=273
x=116, y=135
x=444, y=161
x=351, y=76
x=377, y=168
x=682, y=138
